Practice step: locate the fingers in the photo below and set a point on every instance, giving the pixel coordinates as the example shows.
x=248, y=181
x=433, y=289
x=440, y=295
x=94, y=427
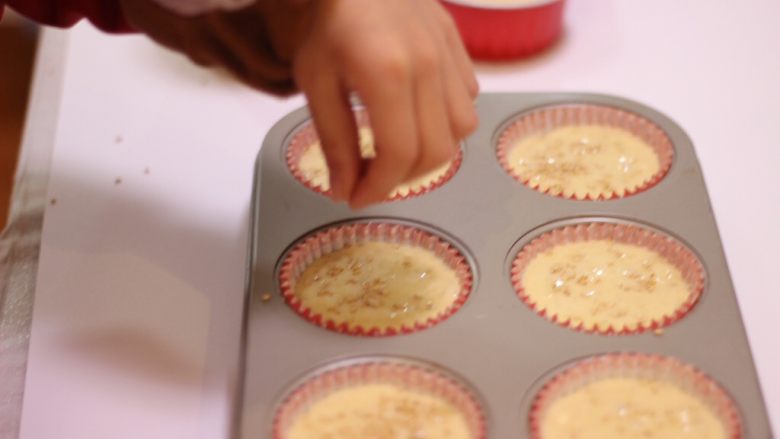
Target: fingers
x=460, y=57
x=463, y=62
x=336, y=128
x=459, y=102
x=420, y=101
x=453, y=94
x=460, y=84
x=437, y=144
x=387, y=91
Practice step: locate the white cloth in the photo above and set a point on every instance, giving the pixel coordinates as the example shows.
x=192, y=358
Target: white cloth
x=20, y=241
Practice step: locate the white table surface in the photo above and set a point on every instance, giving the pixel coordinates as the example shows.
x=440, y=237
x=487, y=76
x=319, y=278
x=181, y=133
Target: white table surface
x=138, y=301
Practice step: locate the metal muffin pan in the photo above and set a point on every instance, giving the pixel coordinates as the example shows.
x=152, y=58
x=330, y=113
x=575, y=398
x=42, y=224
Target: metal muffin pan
x=495, y=342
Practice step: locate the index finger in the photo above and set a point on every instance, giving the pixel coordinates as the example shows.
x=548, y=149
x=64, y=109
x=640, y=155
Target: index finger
x=389, y=99
x=337, y=130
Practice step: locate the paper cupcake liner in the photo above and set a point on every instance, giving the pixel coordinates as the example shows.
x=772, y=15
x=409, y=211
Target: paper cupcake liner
x=669, y=248
x=506, y=30
x=338, y=237
x=307, y=136
x=407, y=375
x=548, y=118
x=641, y=366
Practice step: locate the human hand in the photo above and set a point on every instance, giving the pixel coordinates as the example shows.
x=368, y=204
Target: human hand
x=403, y=58
x=405, y=61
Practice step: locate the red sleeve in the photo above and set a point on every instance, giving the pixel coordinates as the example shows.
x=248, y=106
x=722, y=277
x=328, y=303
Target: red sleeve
x=105, y=14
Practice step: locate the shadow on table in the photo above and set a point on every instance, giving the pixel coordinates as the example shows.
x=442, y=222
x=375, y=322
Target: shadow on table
x=138, y=290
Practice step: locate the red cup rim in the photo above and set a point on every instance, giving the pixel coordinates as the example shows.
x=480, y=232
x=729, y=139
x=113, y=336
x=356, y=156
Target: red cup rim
x=509, y=6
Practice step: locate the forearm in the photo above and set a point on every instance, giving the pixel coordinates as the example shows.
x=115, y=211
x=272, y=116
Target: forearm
x=252, y=38
x=255, y=42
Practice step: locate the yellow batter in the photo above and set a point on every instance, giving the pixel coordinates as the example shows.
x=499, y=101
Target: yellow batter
x=584, y=160
x=630, y=408
x=602, y=283
x=378, y=285
x=379, y=411
x=315, y=170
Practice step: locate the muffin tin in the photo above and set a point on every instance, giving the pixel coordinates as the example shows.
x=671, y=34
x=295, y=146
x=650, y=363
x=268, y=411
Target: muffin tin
x=494, y=343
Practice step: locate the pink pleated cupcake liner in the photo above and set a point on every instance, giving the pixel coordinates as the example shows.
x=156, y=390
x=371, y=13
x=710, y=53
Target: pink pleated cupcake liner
x=307, y=136
x=640, y=366
x=551, y=117
x=406, y=375
x=335, y=238
x=669, y=248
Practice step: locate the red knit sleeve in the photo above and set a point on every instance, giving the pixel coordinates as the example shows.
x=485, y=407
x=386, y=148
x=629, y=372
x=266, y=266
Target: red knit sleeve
x=105, y=14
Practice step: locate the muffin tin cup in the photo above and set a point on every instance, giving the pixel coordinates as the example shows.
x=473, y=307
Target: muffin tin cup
x=550, y=117
x=640, y=366
x=406, y=374
x=335, y=238
x=306, y=136
x=669, y=248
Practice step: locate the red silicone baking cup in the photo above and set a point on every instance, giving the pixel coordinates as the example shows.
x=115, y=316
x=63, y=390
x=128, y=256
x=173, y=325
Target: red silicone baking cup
x=306, y=136
x=548, y=118
x=411, y=376
x=669, y=248
x=506, y=30
x=640, y=366
x=338, y=237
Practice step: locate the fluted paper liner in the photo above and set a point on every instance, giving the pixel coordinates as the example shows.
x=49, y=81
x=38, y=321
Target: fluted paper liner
x=306, y=136
x=338, y=237
x=551, y=117
x=669, y=248
x=641, y=366
x=411, y=376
